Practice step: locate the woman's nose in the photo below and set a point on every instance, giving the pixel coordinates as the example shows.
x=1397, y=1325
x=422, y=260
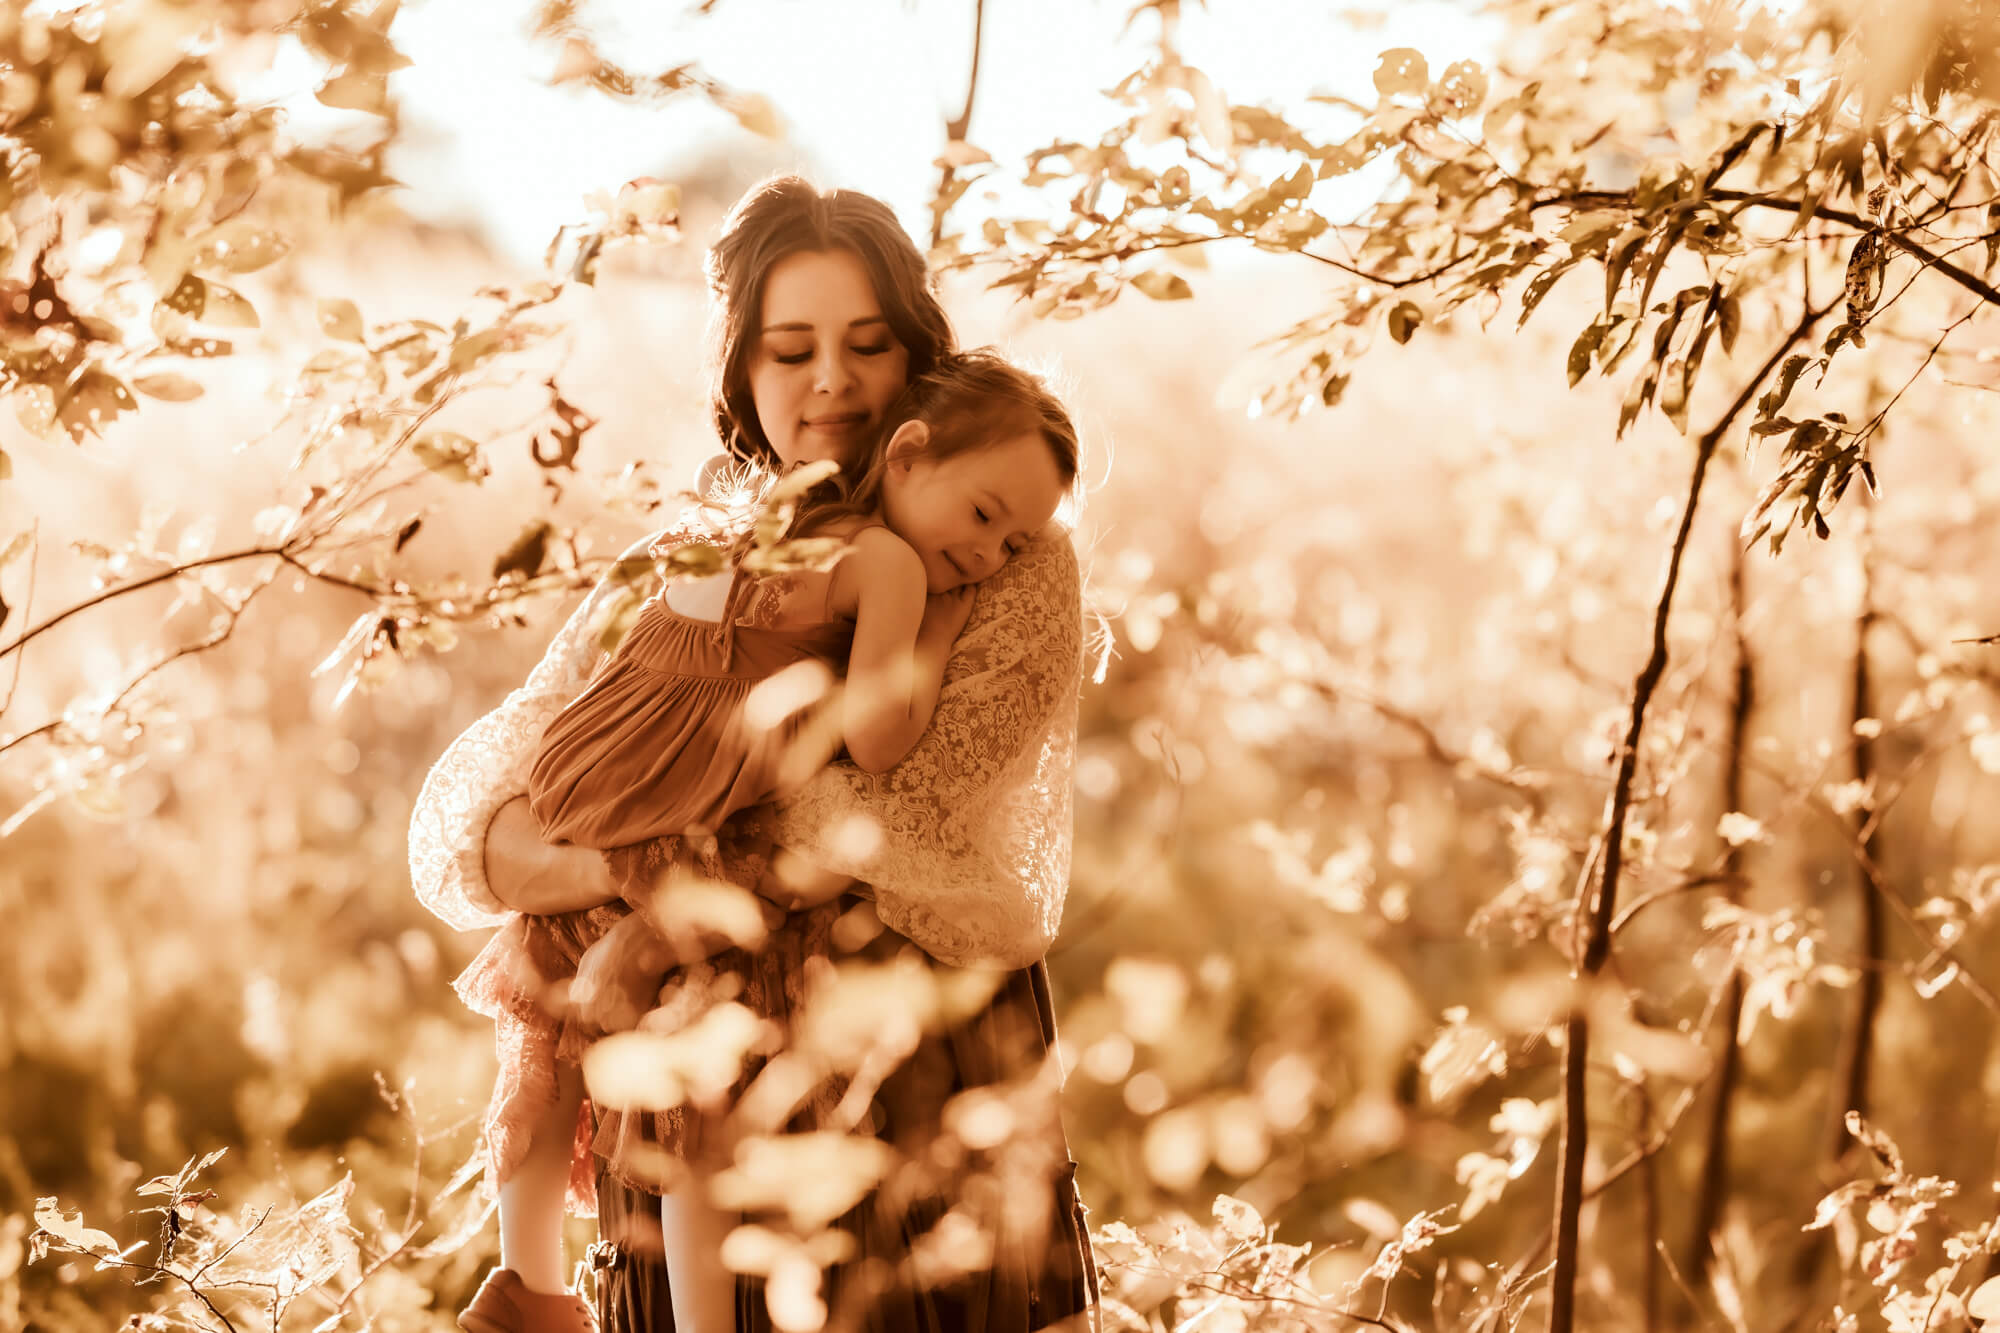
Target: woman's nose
x=832, y=376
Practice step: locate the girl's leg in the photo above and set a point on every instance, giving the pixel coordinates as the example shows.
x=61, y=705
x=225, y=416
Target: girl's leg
x=532, y=1199
x=704, y=1292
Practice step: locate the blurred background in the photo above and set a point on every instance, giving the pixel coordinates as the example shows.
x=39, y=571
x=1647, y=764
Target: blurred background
x=1340, y=768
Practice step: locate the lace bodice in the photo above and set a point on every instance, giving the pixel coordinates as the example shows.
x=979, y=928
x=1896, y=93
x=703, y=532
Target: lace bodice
x=966, y=842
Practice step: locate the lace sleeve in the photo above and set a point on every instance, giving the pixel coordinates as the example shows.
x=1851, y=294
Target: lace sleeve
x=967, y=841
x=487, y=766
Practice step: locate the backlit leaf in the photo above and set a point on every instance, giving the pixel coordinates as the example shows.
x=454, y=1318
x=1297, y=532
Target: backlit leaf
x=1163, y=286
x=340, y=319
x=1403, y=70
x=168, y=387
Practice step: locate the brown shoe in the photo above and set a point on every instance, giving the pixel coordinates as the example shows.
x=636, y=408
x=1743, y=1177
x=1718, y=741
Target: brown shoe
x=504, y=1304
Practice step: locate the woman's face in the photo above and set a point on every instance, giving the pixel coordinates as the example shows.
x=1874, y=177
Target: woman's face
x=824, y=366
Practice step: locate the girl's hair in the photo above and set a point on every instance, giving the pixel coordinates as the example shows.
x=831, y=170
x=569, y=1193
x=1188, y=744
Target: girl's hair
x=970, y=401
x=784, y=216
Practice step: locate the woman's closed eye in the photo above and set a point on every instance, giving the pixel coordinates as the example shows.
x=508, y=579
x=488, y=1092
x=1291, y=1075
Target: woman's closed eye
x=983, y=516
x=800, y=358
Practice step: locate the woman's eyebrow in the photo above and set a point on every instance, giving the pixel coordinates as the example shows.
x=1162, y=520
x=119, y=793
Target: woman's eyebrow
x=800, y=326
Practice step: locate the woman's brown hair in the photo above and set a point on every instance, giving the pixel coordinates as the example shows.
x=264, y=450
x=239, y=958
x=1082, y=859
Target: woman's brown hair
x=788, y=215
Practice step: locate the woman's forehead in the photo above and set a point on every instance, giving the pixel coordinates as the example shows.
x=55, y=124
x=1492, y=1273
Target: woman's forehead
x=819, y=286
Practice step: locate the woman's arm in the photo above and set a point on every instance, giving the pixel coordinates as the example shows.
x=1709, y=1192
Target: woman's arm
x=529, y=875
x=487, y=767
x=966, y=842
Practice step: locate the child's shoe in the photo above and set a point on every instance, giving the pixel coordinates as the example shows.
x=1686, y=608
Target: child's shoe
x=505, y=1305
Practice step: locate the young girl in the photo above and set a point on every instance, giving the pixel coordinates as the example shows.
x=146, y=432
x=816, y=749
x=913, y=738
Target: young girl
x=970, y=462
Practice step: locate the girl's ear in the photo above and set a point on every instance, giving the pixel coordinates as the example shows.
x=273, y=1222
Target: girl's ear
x=910, y=442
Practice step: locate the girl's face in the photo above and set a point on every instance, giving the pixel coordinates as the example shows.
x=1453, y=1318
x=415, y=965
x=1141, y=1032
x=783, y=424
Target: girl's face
x=825, y=365
x=967, y=514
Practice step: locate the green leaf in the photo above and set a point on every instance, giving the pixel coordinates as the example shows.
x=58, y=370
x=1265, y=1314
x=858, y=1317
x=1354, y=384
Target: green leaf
x=524, y=556
x=356, y=90
x=168, y=387
x=226, y=307
x=1636, y=397
x=1730, y=318
x=239, y=247
x=1619, y=259
x=341, y=319
x=1163, y=286
x=1673, y=394
x=1404, y=320
x=1403, y=70
x=93, y=402
x=451, y=455
x=1540, y=285
x=1773, y=401
x=1461, y=89
x=693, y=560
x=35, y=406
x=188, y=297
x=619, y=617
x=1583, y=349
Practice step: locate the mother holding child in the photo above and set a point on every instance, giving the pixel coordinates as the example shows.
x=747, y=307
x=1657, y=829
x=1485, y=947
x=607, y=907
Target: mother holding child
x=581, y=814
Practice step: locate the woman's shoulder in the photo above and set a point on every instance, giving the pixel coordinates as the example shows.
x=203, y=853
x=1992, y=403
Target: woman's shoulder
x=1046, y=561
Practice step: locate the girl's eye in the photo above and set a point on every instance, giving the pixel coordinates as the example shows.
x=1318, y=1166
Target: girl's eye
x=873, y=351
x=982, y=514
x=799, y=359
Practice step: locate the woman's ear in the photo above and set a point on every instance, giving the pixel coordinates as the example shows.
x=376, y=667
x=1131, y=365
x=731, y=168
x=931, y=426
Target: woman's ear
x=910, y=442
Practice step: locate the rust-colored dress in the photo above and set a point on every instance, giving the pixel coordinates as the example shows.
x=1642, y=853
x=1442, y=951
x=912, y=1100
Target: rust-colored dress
x=658, y=750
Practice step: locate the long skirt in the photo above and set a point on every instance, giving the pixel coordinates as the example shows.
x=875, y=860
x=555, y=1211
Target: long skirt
x=1033, y=1271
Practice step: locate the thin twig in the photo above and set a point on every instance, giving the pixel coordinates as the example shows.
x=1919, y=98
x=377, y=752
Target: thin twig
x=1857, y=1045
x=1713, y=1183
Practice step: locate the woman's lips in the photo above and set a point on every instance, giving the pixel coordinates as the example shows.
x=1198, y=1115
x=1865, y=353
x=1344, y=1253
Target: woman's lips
x=840, y=423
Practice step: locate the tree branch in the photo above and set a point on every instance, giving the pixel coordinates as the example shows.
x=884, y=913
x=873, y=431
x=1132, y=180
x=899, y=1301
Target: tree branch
x=1597, y=945
x=1615, y=198
x=151, y=580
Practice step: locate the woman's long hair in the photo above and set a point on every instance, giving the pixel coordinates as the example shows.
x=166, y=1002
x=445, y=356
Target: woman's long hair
x=788, y=215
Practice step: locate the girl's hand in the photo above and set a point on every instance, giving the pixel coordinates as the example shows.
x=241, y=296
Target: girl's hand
x=945, y=614
x=618, y=978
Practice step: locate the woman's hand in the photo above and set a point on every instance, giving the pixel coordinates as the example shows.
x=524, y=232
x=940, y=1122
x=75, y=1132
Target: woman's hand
x=618, y=978
x=528, y=875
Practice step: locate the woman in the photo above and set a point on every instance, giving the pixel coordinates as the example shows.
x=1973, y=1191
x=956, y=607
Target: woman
x=824, y=313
